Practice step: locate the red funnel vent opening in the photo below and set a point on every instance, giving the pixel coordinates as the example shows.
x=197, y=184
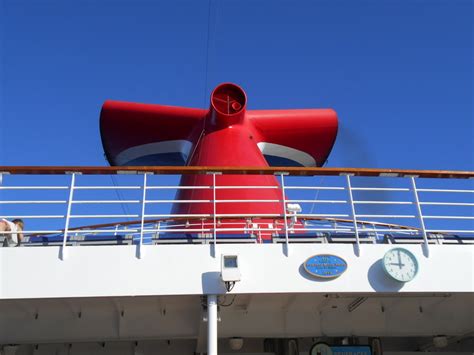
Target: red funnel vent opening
x=228, y=99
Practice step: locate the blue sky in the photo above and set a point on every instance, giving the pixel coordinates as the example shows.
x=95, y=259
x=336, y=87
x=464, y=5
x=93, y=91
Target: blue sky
x=399, y=73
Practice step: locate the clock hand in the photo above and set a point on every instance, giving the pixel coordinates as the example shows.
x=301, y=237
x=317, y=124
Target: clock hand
x=401, y=265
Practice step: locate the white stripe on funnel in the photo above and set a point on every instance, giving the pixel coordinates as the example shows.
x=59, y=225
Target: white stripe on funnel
x=177, y=146
x=282, y=151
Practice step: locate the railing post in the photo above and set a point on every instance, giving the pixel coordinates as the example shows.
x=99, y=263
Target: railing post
x=283, y=199
x=353, y=214
x=214, y=209
x=142, y=222
x=420, y=215
x=63, y=253
x=157, y=236
x=375, y=233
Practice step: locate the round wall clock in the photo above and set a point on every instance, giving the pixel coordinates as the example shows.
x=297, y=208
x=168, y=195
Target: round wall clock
x=400, y=264
x=320, y=349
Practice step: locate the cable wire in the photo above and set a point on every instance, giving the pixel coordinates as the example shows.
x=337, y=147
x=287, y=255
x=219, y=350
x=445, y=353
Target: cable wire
x=117, y=192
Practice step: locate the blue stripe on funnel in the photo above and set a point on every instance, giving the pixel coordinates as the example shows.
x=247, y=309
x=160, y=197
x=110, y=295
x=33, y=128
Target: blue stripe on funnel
x=166, y=159
x=273, y=160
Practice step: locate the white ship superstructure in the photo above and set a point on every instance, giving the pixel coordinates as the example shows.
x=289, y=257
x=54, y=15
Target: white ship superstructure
x=107, y=268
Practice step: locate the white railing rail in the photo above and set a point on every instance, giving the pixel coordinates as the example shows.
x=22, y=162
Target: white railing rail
x=285, y=214
x=68, y=214
x=142, y=218
x=353, y=212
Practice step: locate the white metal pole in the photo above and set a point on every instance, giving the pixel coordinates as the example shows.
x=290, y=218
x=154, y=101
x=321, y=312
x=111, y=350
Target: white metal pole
x=214, y=209
x=68, y=216
x=420, y=214
x=211, y=325
x=283, y=198
x=140, y=249
x=353, y=213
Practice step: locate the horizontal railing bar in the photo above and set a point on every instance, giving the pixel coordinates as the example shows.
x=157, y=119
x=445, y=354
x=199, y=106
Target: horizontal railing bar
x=445, y=190
x=310, y=219
x=323, y=229
x=117, y=231
x=224, y=187
x=243, y=224
x=230, y=201
x=105, y=201
x=246, y=187
x=147, y=222
x=106, y=187
x=449, y=231
x=243, y=230
x=34, y=187
x=181, y=230
x=33, y=216
x=32, y=202
x=448, y=217
x=231, y=223
x=28, y=232
x=400, y=230
x=384, y=216
x=178, y=201
x=383, y=202
x=250, y=215
x=282, y=230
x=173, y=170
x=380, y=189
x=314, y=188
x=77, y=231
x=178, y=187
x=243, y=201
x=104, y=216
x=328, y=225
x=248, y=230
x=217, y=215
x=447, y=203
x=187, y=225
x=322, y=215
x=178, y=215
x=316, y=201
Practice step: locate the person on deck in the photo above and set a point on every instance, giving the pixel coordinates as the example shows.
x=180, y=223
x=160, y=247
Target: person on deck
x=15, y=228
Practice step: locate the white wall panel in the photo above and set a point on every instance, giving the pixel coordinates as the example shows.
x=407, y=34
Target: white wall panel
x=191, y=269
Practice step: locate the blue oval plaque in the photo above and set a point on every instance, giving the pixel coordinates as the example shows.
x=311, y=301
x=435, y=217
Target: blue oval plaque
x=325, y=265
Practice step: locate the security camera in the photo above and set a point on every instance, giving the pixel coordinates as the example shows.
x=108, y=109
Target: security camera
x=293, y=209
x=440, y=341
x=230, y=272
x=236, y=343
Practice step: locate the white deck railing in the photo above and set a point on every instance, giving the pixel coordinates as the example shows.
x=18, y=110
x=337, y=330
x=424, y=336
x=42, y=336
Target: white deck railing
x=338, y=205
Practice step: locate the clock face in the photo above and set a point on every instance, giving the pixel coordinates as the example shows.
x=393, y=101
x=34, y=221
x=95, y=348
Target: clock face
x=400, y=264
x=321, y=349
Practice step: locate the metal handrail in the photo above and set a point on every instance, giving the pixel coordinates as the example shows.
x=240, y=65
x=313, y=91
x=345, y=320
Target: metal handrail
x=102, y=226
x=173, y=170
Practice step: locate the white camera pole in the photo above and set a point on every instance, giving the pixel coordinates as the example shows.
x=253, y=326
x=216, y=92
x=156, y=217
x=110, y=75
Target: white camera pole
x=211, y=325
